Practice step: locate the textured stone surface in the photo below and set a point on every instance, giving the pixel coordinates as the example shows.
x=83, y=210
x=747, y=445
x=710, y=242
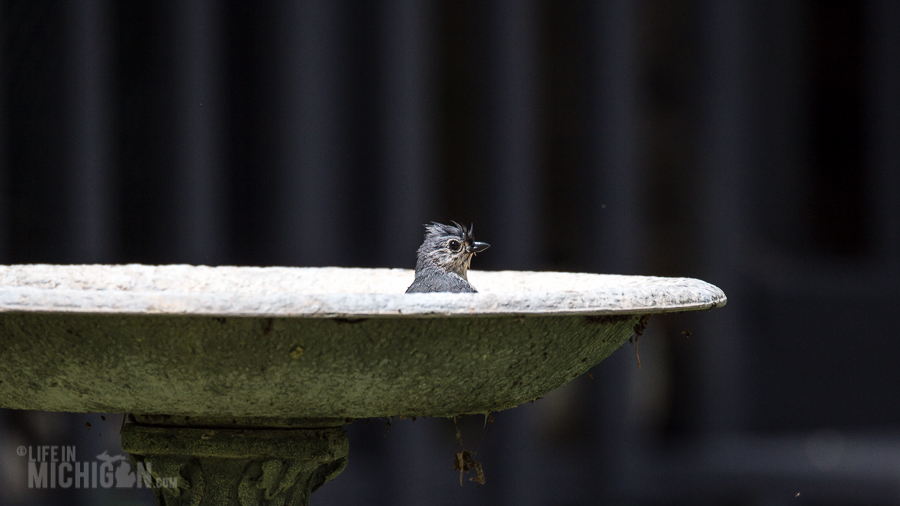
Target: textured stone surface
x=332, y=291
x=198, y=467
x=239, y=377
x=170, y=350
x=250, y=367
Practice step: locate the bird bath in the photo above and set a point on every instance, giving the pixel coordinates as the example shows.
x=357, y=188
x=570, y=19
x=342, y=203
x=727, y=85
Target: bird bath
x=241, y=378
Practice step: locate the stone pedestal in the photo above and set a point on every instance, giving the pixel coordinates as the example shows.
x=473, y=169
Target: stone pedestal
x=194, y=466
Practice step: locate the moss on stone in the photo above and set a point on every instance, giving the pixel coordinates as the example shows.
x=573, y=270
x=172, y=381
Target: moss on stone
x=248, y=367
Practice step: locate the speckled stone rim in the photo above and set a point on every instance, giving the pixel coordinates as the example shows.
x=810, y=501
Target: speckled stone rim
x=335, y=292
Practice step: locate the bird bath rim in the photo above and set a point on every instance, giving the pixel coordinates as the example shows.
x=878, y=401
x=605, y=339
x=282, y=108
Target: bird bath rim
x=335, y=292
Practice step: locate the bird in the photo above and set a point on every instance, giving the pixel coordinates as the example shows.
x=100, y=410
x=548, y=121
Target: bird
x=444, y=257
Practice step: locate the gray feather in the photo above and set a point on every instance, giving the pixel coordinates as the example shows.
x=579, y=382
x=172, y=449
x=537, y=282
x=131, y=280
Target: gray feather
x=439, y=268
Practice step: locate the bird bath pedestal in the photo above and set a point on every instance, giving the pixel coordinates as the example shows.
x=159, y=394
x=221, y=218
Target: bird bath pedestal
x=241, y=378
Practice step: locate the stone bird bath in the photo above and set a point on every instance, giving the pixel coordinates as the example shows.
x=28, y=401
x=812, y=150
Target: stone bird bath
x=240, y=378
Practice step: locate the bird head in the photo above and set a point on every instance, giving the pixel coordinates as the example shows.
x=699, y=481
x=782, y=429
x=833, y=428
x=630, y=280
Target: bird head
x=450, y=247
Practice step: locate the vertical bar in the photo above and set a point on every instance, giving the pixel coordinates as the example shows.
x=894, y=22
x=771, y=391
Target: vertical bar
x=408, y=189
x=4, y=154
x=616, y=225
x=515, y=143
x=784, y=88
x=408, y=198
x=310, y=162
x=516, y=204
x=199, y=200
x=419, y=467
x=883, y=78
x=617, y=209
x=725, y=128
x=90, y=233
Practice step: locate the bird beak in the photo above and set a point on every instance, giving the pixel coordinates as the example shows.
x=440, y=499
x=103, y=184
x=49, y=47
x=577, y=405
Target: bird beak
x=477, y=247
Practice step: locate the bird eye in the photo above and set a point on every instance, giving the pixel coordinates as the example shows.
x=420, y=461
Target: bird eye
x=454, y=245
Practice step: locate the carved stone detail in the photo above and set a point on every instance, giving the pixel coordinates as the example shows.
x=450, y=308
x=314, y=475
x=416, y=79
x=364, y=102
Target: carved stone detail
x=199, y=466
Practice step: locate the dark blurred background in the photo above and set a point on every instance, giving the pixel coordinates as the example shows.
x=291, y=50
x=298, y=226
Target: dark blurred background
x=752, y=144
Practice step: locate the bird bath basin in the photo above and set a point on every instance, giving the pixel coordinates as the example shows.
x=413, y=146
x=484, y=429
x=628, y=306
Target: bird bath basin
x=240, y=378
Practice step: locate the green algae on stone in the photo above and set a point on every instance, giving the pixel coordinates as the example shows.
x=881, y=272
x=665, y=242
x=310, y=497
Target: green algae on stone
x=243, y=367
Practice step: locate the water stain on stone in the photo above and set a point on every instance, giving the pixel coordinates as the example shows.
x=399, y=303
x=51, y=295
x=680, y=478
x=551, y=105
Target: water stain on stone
x=350, y=321
x=606, y=319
